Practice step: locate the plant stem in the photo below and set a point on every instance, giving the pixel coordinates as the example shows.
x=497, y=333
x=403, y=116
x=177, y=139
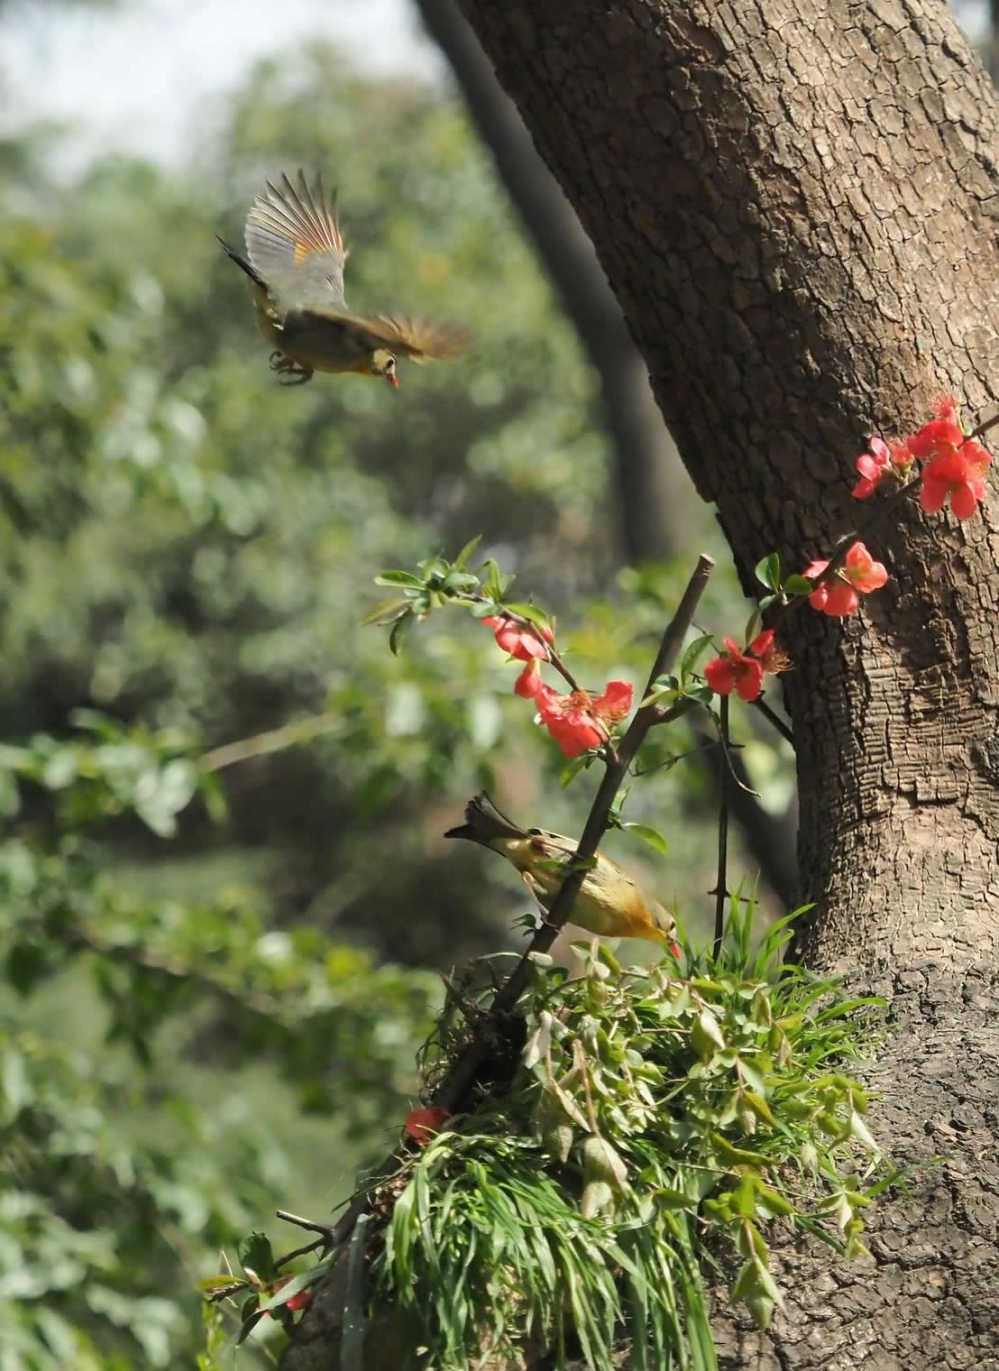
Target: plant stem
x=721, y=883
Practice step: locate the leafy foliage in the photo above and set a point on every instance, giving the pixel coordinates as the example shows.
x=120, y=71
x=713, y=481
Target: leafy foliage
x=656, y=1127
x=93, y=1218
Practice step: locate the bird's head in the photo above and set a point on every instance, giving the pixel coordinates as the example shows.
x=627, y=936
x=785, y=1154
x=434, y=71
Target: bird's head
x=383, y=364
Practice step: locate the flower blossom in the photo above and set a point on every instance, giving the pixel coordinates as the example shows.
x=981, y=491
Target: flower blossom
x=521, y=640
x=422, y=1124
x=957, y=474
x=577, y=721
x=743, y=671
x=528, y=683
x=838, y=596
x=938, y=438
x=882, y=461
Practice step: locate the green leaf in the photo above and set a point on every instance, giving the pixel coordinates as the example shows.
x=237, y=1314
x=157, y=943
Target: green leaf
x=93, y=721
x=692, y=655
x=399, y=629
x=603, y=1162
x=256, y=1256
x=250, y=1316
x=293, y=1287
x=497, y=582
x=532, y=613
x=400, y=578
x=385, y=611
x=456, y=581
x=706, y=1034
x=221, y=1283
x=573, y=768
x=863, y=1134
x=433, y=570
x=466, y=552
x=768, y=571
x=735, y=1156
x=760, y=1108
x=774, y=1203
x=483, y=609
x=798, y=585
x=649, y=835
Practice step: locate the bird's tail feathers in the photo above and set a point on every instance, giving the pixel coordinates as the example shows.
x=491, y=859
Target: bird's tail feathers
x=484, y=823
x=242, y=263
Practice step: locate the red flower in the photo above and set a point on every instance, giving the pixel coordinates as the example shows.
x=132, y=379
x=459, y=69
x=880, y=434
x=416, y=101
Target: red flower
x=735, y=670
x=772, y=659
x=883, y=460
x=523, y=641
x=615, y=703
x=873, y=467
x=577, y=721
x=422, y=1124
x=937, y=438
x=958, y=474
x=838, y=596
x=528, y=683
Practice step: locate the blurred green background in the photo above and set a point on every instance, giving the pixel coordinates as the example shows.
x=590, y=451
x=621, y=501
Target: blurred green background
x=215, y=983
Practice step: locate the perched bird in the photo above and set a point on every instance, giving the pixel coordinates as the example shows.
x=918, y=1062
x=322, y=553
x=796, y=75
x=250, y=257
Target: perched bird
x=609, y=901
x=296, y=254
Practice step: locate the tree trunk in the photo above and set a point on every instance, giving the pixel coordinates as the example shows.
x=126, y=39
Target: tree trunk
x=795, y=205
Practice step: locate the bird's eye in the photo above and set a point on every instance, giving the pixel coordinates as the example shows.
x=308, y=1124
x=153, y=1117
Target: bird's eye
x=390, y=367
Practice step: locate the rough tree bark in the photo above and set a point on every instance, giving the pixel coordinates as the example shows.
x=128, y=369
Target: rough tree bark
x=795, y=202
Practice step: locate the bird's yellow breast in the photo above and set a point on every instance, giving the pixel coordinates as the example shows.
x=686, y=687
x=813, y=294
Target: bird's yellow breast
x=609, y=902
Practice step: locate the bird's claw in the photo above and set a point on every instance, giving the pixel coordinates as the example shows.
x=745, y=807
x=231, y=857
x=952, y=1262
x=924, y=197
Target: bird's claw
x=291, y=373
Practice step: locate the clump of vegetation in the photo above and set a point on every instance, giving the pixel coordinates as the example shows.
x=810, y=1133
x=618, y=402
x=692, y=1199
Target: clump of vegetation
x=656, y=1126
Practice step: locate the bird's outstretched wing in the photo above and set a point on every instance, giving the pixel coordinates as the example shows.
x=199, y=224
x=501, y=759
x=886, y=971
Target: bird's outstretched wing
x=293, y=241
x=416, y=339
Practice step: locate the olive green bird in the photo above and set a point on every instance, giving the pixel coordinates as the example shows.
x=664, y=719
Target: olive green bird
x=609, y=902
x=295, y=255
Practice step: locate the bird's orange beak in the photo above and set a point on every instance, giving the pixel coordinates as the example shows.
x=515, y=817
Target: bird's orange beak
x=393, y=382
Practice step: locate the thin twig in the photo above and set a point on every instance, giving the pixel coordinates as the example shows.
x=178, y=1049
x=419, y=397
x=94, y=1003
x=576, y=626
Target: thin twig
x=302, y=1251
x=310, y=1225
x=579, y=1056
x=326, y=1240
x=984, y=427
x=774, y=719
x=721, y=884
x=274, y=740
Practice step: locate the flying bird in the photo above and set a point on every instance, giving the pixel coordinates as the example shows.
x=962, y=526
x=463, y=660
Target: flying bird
x=294, y=258
x=609, y=902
